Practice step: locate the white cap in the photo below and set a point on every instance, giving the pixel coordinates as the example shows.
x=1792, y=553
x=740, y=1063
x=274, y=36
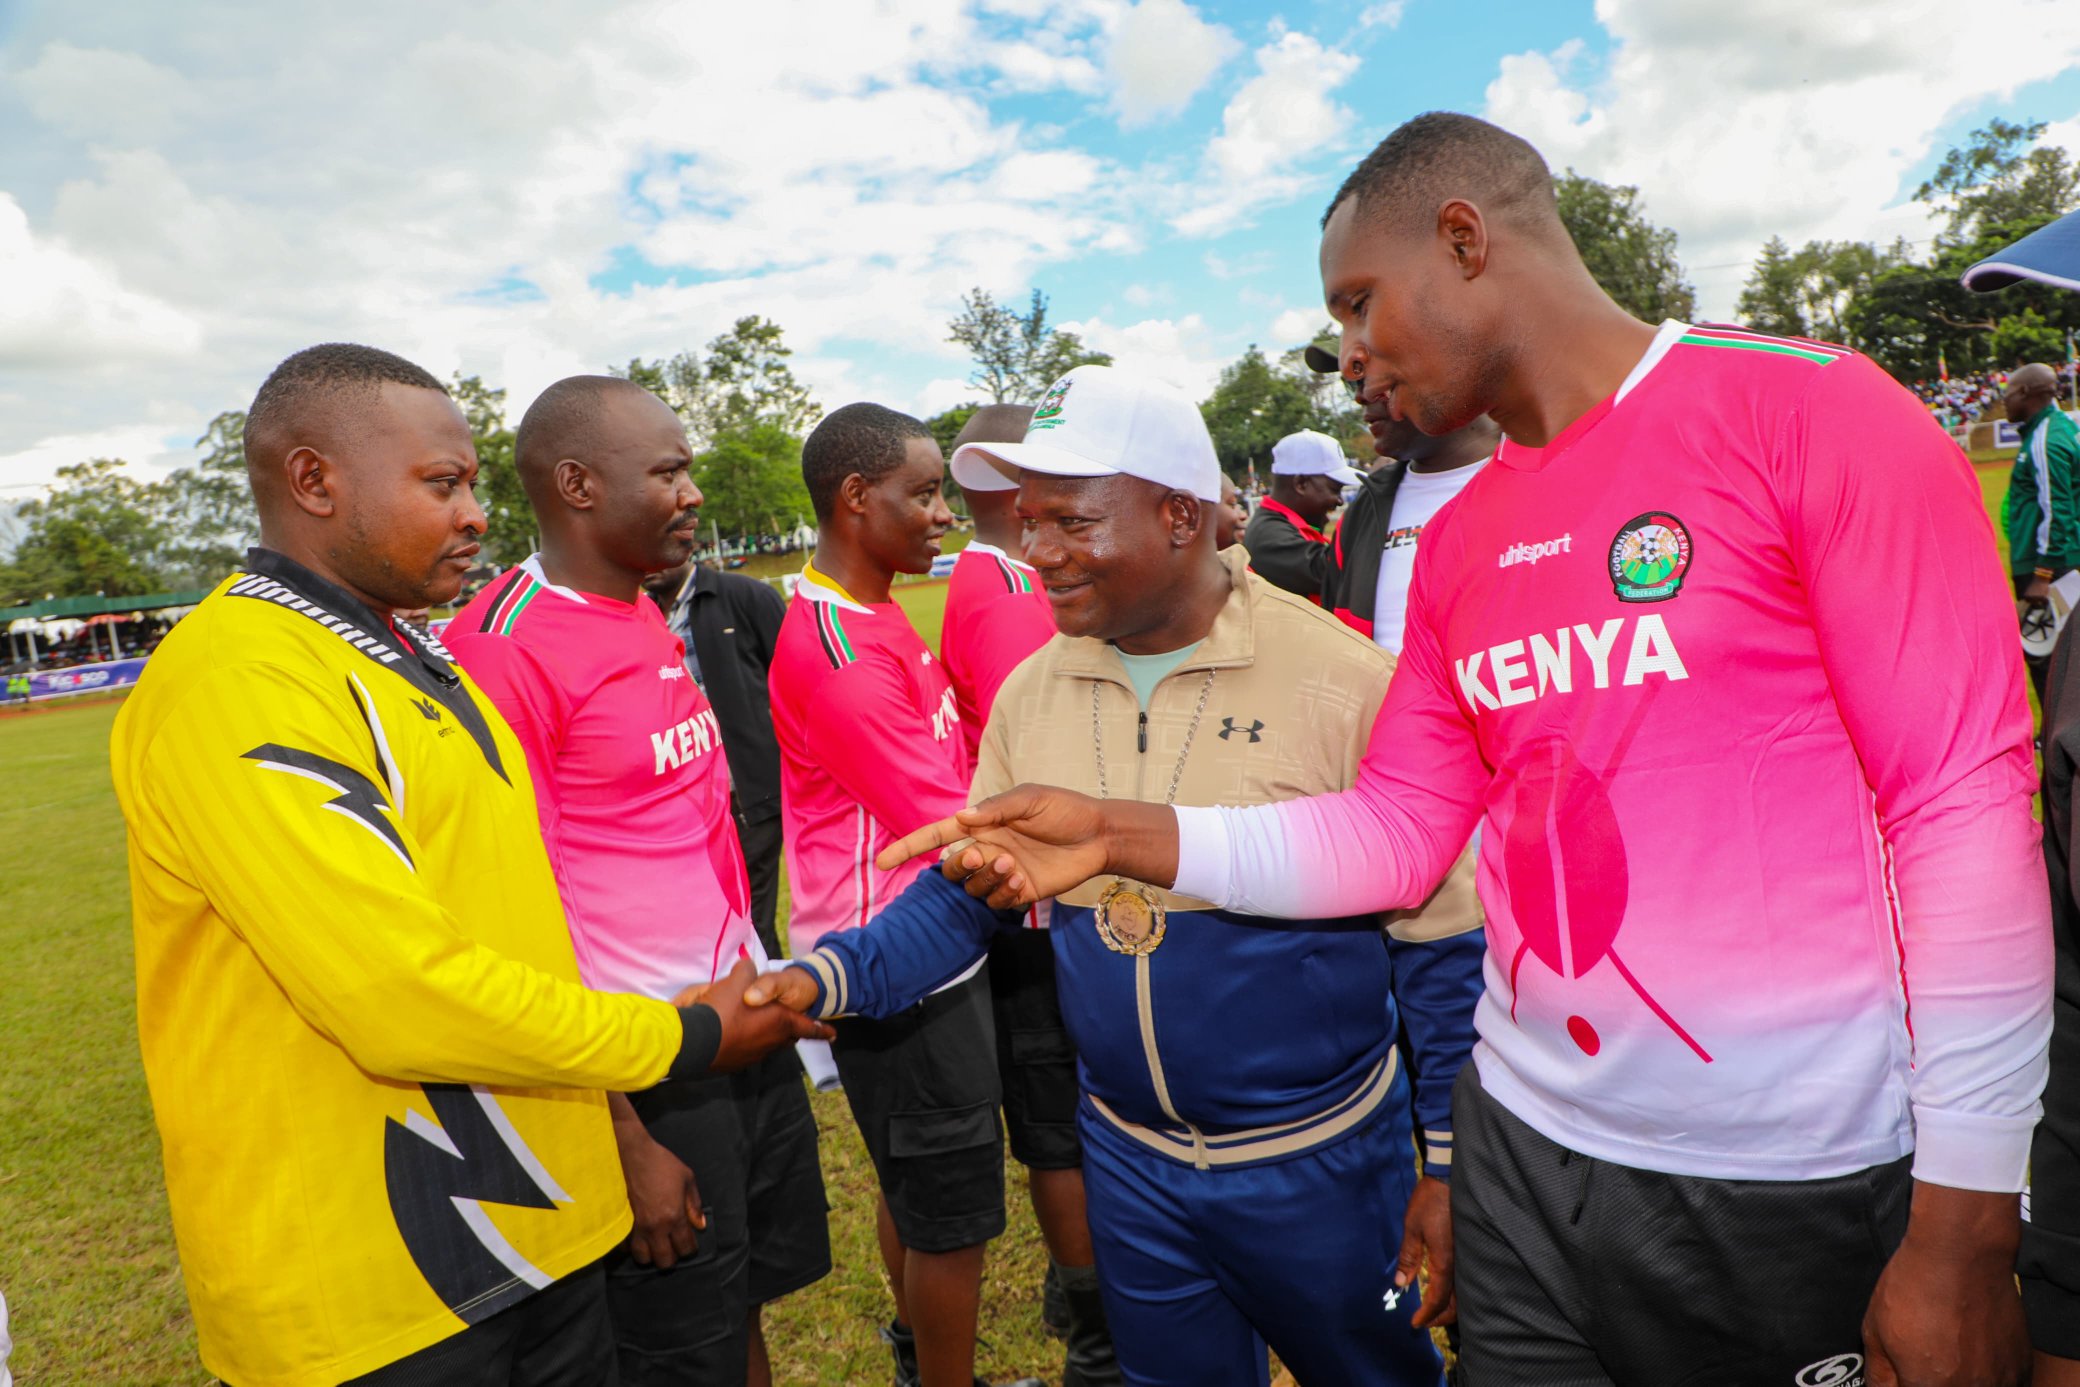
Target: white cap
x=1100, y=421
x=1311, y=454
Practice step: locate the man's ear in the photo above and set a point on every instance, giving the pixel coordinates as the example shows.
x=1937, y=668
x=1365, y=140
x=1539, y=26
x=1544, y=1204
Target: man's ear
x=312, y=479
x=573, y=484
x=1187, y=515
x=1464, y=232
x=852, y=494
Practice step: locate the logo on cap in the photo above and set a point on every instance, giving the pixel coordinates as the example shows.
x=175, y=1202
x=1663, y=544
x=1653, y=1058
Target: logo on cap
x=1049, y=413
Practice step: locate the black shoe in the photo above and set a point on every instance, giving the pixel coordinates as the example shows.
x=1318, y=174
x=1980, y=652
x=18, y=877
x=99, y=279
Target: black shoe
x=1054, y=1307
x=903, y=1344
x=1088, y=1359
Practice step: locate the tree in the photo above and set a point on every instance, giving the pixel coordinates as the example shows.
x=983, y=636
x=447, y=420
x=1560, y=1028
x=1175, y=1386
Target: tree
x=99, y=530
x=209, y=508
x=2025, y=337
x=1808, y=292
x=1997, y=178
x=1633, y=259
x=1253, y=406
x=1017, y=355
x=751, y=480
x=510, y=533
x=947, y=425
x=742, y=383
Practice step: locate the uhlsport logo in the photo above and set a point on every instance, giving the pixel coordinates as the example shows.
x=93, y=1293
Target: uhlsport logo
x=1049, y=412
x=1649, y=558
x=1842, y=1370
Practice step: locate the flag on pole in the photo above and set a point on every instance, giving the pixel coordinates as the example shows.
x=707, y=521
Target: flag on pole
x=1942, y=366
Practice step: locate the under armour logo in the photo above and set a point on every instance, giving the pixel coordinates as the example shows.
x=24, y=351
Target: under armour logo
x=1229, y=729
x=428, y=709
x=1391, y=1300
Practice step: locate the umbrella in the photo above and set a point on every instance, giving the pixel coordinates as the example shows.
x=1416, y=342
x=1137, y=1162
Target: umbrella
x=2048, y=255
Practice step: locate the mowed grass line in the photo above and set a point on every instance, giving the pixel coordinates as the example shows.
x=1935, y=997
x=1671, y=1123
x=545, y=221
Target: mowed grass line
x=86, y=1249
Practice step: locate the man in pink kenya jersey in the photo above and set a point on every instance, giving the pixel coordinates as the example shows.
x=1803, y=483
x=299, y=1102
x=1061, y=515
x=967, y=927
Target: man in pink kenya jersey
x=870, y=748
x=633, y=792
x=1769, y=976
x=996, y=615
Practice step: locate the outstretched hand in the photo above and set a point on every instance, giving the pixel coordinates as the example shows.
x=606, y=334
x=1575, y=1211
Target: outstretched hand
x=790, y=987
x=750, y=1031
x=1025, y=845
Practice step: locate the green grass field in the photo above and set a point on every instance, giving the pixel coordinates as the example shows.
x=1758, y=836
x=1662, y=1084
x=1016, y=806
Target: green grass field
x=86, y=1253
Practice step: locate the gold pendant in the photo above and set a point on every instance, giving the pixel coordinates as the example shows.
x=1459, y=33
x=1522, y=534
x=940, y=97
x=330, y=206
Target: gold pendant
x=1130, y=920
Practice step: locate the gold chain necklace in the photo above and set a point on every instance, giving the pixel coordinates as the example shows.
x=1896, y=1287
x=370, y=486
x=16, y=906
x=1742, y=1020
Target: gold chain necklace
x=1129, y=917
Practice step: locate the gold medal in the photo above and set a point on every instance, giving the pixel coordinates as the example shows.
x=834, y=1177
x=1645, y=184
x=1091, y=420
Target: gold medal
x=1130, y=919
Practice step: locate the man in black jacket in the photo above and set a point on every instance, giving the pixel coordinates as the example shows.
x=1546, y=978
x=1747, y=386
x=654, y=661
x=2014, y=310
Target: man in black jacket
x=1372, y=554
x=729, y=623
x=1284, y=538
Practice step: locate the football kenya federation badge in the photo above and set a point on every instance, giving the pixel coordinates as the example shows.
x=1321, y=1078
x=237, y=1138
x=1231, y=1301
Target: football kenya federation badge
x=1130, y=920
x=1649, y=558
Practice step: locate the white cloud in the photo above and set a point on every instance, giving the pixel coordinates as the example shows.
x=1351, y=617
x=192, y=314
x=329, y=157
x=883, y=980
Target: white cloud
x=1180, y=351
x=153, y=448
x=1385, y=15
x=100, y=94
x=1162, y=53
x=452, y=192
x=67, y=311
x=1296, y=327
x=1280, y=117
x=1776, y=117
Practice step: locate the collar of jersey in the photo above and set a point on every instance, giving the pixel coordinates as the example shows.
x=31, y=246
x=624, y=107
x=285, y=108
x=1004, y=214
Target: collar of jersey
x=976, y=546
x=532, y=565
x=1295, y=519
x=1524, y=459
x=818, y=588
x=323, y=593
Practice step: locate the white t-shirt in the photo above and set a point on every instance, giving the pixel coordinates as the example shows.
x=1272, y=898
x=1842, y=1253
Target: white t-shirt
x=1420, y=496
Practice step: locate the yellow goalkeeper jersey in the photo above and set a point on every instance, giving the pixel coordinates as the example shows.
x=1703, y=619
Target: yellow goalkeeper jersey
x=375, y=1073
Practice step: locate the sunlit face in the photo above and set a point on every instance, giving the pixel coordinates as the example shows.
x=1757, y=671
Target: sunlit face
x=403, y=483
x=905, y=514
x=645, y=506
x=1410, y=333
x=1108, y=549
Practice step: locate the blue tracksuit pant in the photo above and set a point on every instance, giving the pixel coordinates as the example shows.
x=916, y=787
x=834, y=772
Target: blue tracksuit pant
x=1200, y=1269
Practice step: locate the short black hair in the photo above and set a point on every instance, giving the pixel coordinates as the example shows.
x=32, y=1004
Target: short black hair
x=324, y=378
x=865, y=438
x=1443, y=154
x=558, y=420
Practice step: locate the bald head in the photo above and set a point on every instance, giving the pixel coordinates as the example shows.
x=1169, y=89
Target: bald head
x=995, y=424
x=1443, y=155
x=563, y=422
x=2030, y=388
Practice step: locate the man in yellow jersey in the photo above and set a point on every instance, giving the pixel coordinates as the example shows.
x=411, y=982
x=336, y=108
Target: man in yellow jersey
x=374, y=1069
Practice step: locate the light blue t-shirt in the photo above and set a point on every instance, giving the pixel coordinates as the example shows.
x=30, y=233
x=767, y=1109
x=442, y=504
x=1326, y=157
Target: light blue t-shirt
x=1147, y=671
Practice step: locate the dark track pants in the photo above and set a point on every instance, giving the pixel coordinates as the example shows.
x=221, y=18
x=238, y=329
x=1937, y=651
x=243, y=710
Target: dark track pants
x=1201, y=1268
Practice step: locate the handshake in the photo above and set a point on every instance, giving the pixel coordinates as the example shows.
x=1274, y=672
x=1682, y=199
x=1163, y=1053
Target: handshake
x=752, y=1026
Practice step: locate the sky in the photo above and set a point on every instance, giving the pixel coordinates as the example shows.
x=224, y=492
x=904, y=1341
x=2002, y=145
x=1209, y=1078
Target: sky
x=190, y=192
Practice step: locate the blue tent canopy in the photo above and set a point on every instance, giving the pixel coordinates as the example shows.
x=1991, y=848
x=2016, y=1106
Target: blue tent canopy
x=2048, y=255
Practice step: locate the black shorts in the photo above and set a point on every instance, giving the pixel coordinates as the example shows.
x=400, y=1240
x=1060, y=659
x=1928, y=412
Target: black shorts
x=751, y=1141
x=923, y=1089
x=558, y=1337
x=1577, y=1272
x=1036, y=1062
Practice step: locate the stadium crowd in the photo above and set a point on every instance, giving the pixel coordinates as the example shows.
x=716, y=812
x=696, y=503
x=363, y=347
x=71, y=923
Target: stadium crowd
x=1587, y=913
